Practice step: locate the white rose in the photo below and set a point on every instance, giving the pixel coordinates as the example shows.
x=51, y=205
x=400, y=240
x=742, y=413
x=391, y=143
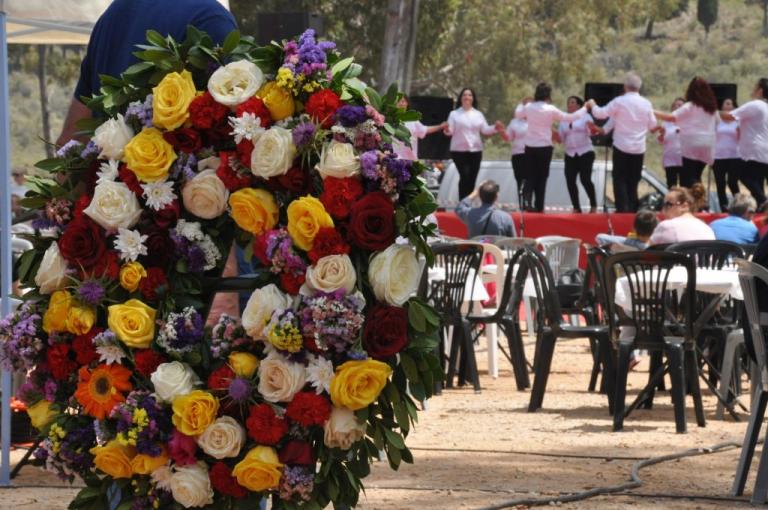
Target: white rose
x=222, y=438
x=191, y=486
x=205, y=195
x=235, y=83
x=280, y=379
x=330, y=274
x=173, y=379
x=343, y=429
x=52, y=274
x=259, y=309
x=112, y=137
x=273, y=153
x=114, y=206
x=394, y=274
x=211, y=162
x=338, y=160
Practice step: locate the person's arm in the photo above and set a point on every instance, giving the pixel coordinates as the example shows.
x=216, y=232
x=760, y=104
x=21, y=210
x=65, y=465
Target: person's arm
x=569, y=117
x=77, y=111
x=601, y=112
x=743, y=112
x=448, y=128
x=727, y=116
x=668, y=117
x=434, y=129
x=465, y=205
x=486, y=129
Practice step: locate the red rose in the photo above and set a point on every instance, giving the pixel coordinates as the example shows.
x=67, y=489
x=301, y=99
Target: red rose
x=244, y=150
x=81, y=204
x=91, y=176
x=159, y=245
x=205, y=112
x=85, y=352
x=82, y=244
x=108, y=266
x=167, y=217
x=386, y=331
x=260, y=249
x=231, y=178
x=328, y=241
x=264, y=426
x=372, y=222
x=296, y=180
x=339, y=194
x=184, y=140
x=129, y=178
x=182, y=448
x=255, y=106
x=291, y=283
x=307, y=409
x=153, y=284
x=147, y=361
x=297, y=453
x=59, y=363
x=220, y=378
x=322, y=106
x=223, y=481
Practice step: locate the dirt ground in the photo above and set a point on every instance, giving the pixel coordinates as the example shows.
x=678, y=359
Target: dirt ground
x=480, y=450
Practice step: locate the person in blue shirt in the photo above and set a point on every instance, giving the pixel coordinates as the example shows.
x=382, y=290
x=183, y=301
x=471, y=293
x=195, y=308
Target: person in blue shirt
x=124, y=25
x=737, y=227
x=485, y=219
x=645, y=223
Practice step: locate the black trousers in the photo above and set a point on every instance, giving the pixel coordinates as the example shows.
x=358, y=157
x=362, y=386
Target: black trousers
x=581, y=167
x=692, y=170
x=753, y=175
x=468, y=165
x=726, y=171
x=674, y=174
x=627, y=170
x=538, y=160
x=520, y=169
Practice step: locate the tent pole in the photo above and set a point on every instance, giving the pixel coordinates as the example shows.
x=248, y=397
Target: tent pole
x=5, y=247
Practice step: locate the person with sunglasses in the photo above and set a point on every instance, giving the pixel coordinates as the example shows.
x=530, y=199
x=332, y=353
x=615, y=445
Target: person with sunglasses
x=680, y=224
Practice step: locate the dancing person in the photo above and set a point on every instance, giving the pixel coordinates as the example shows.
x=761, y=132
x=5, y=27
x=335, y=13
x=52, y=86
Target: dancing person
x=727, y=162
x=680, y=224
x=485, y=219
x=753, y=140
x=515, y=133
x=632, y=117
x=465, y=126
x=579, y=154
x=417, y=129
x=541, y=115
x=672, y=158
x=697, y=119
x=639, y=238
x=738, y=227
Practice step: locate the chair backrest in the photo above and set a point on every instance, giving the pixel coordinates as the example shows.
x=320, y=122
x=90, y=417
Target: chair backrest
x=749, y=249
x=458, y=261
x=644, y=276
x=563, y=255
x=490, y=251
x=749, y=275
x=595, y=279
x=510, y=245
x=533, y=264
x=709, y=254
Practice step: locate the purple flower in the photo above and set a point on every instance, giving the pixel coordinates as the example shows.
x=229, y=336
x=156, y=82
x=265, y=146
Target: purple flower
x=303, y=134
x=21, y=339
x=308, y=56
x=240, y=390
x=297, y=482
x=140, y=113
x=69, y=149
x=182, y=331
x=350, y=116
x=92, y=292
x=91, y=149
x=186, y=165
x=369, y=161
x=332, y=319
x=400, y=169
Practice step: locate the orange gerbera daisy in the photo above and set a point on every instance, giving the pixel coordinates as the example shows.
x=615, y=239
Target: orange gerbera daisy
x=100, y=390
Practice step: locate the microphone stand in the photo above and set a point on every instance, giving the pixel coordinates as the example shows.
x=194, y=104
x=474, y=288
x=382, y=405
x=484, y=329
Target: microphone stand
x=605, y=204
x=520, y=195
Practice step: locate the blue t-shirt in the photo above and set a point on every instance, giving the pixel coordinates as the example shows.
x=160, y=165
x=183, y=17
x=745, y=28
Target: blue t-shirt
x=125, y=23
x=734, y=229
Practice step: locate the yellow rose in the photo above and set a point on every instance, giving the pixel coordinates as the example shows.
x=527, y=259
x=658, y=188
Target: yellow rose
x=143, y=464
x=260, y=470
x=114, y=459
x=131, y=274
x=278, y=100
x=41, y=414
x=55, y=318
x=149, y=156
x=306, y=216
x=244, y=364
x=193, y=412
x=254, y=210
x=133, y=322
x=80, y=319
x=358, y=383
x=171, y=99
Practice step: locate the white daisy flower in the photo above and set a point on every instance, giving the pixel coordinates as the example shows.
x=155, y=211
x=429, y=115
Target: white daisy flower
x=247, y=127
x=110, y=354
x=108, y=171
x=158, y=194
x=320, y=373
x=130, y=244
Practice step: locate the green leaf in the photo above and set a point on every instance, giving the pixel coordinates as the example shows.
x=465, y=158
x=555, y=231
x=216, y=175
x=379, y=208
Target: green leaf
x=341, y=65
x=50, y=164
x=416, y=316
x=231, y=41
x=409, y=366
x=401, y=414
x=137, y=69
x=374, y=98
x=394, y=439
x=394, y=457
x=156, y=38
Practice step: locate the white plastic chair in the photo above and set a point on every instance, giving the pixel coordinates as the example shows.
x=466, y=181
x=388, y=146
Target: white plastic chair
x=561, y=252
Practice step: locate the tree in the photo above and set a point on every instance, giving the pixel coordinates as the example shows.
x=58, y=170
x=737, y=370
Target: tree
x=764, y=6
x=397, y=54
x=706, y=13
x=659, y=10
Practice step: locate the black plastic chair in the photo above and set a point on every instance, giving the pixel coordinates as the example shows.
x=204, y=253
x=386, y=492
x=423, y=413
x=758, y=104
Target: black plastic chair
x=657, y=328
x=551, y=327
x=594, y=302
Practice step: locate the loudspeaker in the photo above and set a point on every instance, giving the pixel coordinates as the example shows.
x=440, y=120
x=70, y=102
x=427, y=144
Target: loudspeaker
x=602, y=93
x=434, y=110
x=276, y=26
x=724, y=91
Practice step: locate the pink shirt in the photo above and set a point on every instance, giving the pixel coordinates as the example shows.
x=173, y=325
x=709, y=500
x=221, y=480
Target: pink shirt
x=681, y=229
x=540, y=116
x=418, y=130
x=466, y=126
x=672, y=155
x=697, y=132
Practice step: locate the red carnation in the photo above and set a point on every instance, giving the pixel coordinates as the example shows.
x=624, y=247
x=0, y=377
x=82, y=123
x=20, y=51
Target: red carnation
x=220, y=378
x=244, y=150
x=205, y=112
x=108, y=266
x=296, y=180
x=167, y=217
x=255, y=106
x=372, y=222
x=182, y=448
x=328, y=241
x=291, y=283
x=83, y=244
x=297, y=453
x=307, y=409
x=223, y=481
x=260, y=249
x=153, y=284
x=386, y=331
x=322, y=106
x=264, y=426
x=59, y=364
x=339, y=194
x=147, y=361
x=129, y=178
x=231, y=178
x=184, y=140
x=85, y=352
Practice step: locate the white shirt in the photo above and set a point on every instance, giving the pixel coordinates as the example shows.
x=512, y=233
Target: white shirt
x=516, y=130
x=753, y=123
x=727, y=140
x=575, y=136
x=540, y=117
x=681, y=229
x=418, y=130
x=672, y=155
x=697, y=132
x=633, y=117
x=466, y=126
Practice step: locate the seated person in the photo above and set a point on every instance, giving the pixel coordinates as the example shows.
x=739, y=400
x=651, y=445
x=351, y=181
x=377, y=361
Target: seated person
x=484, y=218
x=645, y=222
x=737, y=227
x=680, y=224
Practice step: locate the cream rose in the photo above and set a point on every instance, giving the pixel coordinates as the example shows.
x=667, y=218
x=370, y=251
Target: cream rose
x=330, y=274
x=273, y=153
x=173, y=379
x=259, y=309
x=211, y=162
x=114, y=206
x=343, y=429
x=112, y=136
x=205, y=195
x=222, y=438
x=338, y=159
x=235, y=83
x=394, y=274
x=191, y=486
x=52, y=274
x=280, y=379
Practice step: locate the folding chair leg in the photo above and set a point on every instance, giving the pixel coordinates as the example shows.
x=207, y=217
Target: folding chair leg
x=593, y=346
x=692, y=374
x=622, y=370
x=750, y=441
x=735, y=338
x=516, y=353
x=545, y=350
x=677, y=377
